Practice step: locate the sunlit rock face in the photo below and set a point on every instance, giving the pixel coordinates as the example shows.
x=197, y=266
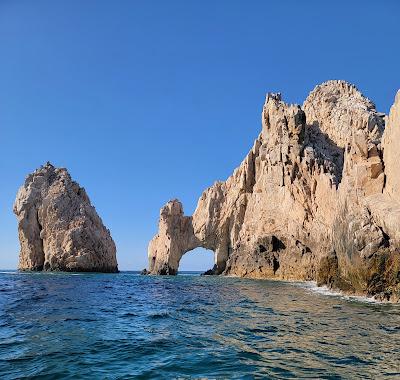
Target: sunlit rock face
x=316, y=198
x=58, y=227
x=391, y=151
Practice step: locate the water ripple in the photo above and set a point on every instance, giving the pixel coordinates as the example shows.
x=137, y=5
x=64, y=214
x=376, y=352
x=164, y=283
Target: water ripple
x=119, y=326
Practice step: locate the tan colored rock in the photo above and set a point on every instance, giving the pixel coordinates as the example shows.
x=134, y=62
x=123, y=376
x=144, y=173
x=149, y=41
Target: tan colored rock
x=391, y=151
x=58, y=227
x=386, y=213
x=302, y=204
x=166, y=249
x=341, y=112
x=385, y=208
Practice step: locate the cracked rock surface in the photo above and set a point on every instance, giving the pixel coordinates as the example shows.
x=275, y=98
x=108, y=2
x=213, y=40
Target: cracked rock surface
x=58, y=227
x=316, y=198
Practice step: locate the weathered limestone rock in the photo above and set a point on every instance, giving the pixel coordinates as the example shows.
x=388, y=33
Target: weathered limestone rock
x=58, y=227
x=385, y=208
x=341, y=111
x=307, y=203
x=166, y=248
x=391, y=151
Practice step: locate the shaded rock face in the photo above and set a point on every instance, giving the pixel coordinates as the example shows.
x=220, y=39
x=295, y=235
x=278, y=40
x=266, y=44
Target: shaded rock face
x=316, y=198
x=58, y=227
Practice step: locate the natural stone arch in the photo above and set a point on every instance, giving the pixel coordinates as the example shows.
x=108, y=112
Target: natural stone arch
x=316, y=198
x=176, y=237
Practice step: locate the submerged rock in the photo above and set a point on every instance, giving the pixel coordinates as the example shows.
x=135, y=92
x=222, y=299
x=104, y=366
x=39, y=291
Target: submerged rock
x=316, y=198
x=58, y=227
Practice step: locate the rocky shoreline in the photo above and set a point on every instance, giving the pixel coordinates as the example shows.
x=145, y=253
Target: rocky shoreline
x=317, y=198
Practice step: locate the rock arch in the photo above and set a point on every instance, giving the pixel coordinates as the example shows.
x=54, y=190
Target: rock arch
x=316, y=198
x=176, y=236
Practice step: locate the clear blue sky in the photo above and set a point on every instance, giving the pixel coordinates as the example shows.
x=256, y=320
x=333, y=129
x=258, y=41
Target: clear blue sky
x=144, y=101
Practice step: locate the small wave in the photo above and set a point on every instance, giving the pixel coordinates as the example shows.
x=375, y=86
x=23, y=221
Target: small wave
x=159, y=315
x=390, y=329
x=324, y=290
x=56, y=273
x=129, y=314
x=71, y=319
x=263, y=330
x=190, y=310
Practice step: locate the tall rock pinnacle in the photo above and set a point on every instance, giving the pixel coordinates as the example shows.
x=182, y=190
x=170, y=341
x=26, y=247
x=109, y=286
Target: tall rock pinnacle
x=58, y=227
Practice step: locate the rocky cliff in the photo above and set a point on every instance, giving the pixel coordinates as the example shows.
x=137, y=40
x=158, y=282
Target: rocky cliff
x=316, y=198
x=58, y=227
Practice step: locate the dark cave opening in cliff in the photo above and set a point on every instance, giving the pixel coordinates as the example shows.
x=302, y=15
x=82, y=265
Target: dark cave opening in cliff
x=197, y=260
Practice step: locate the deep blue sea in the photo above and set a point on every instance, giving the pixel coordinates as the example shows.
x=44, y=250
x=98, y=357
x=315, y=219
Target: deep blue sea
x=122, y=326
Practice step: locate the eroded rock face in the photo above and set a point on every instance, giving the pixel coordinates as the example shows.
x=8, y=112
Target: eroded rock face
x=391, y=151
x=58, y=227
x=309, y=202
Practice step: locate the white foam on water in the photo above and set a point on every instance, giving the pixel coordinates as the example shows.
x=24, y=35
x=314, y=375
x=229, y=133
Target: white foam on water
x=312, y=287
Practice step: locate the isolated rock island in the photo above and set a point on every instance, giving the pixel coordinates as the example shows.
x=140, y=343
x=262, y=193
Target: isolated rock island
x=316, y=198
x=59, y=229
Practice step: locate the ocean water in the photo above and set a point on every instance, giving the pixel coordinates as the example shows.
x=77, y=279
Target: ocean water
x=121, y=326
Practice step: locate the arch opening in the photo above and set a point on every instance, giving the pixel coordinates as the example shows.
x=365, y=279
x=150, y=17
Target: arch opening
x=197, y=260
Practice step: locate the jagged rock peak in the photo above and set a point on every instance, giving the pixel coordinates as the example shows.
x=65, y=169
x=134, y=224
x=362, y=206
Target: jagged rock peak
x=58, y=227
x=274, y=96
x=347, y=94
x=340, y=110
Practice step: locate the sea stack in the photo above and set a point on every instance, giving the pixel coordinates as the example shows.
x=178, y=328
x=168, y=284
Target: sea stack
x=316, y=198
x=59, y=229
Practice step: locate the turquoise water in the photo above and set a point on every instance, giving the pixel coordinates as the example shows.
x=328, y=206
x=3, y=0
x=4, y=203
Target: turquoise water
x=120, y=326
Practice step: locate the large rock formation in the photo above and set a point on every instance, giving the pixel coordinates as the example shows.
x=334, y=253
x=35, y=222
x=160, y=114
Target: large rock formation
x=58, y=227
x=316, y=198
